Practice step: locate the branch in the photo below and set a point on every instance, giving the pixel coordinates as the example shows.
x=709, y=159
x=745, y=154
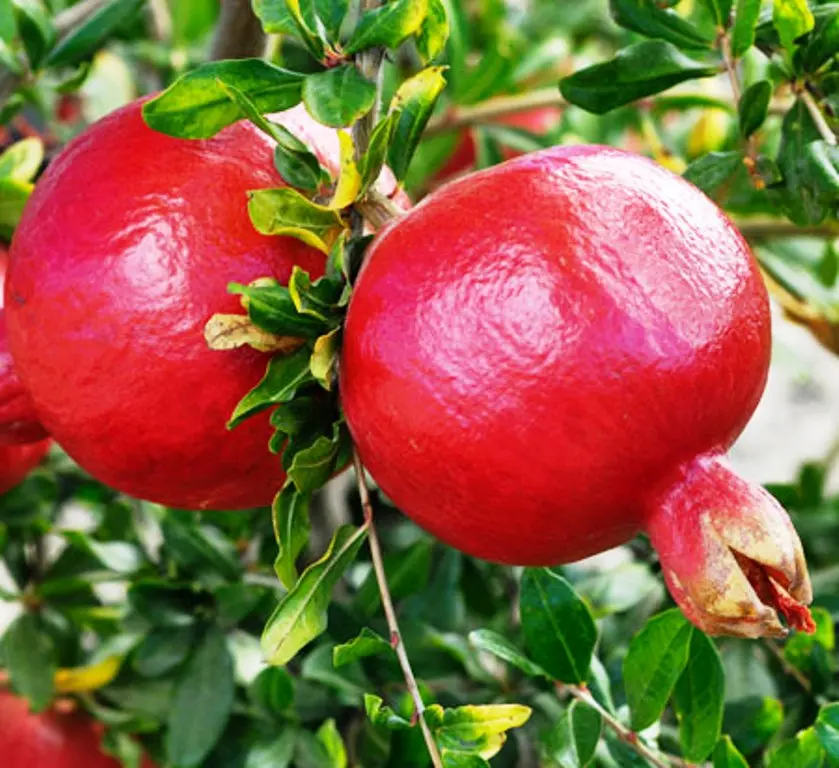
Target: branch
x=768, y=229
x=239, y=32
x=629, y=737
x=825, y=131
x=390, y=612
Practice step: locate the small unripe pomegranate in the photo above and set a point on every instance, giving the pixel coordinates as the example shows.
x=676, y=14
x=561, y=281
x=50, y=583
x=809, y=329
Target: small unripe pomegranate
x=537, y=121
x=545, y=358
x=51, y=739
x=124, y=252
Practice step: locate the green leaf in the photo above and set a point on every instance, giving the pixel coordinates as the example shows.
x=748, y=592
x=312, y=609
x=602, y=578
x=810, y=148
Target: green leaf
x=292, y=158
x=339, y=96
x=698, y=699
x=726, y=755
x=803, y=751
x=721, y=9
x=8, y=24
x=475, y=730
x=332, y=14
x=638, y=71
x=316, y=299
x=37, y=30
x=272, y=690
x=202, y=702
x=572, y=741
x=387, y=26
x=284, y=211
x=433, y=32
x=162, y=650
x=290, y=513
x=407, y=572
x=712, y=170
x=656, y=658
x=414, y=102
x=649, y=19
x=199, y=548
x=559, y=631
x=368, y=643
x=197, y=105
x=20, y=162
x=500, y=646
x=746, y=14
x=276, y=753
x=810, y=167
x=285, y=375
x=275, y=17
x=371, y=164
x=93, y=32
x=117, y=556
x=306, y=27
x=312, y=466
x=301, y=615
x=270, y=307
x=324, y=360
x=754, y=107
x=792, y=18
x=827, y=729
x=29, y=657
x=329, y=736
x=382, y=716
x=822, y=45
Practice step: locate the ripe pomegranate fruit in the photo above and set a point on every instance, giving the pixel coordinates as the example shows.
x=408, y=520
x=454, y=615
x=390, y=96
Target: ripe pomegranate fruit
x=545, y=358
x=536, y=121
x=124, y=251
x=16, y=461
x=51, y=739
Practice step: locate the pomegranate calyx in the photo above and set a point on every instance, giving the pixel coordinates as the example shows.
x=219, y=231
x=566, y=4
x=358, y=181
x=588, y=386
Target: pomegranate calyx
x=730, y=556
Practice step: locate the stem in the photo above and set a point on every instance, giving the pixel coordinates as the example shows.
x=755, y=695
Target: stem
x=730, y=64
x=768, y=229
x=629, y=737
x=161, y=20
x=369, y=64
x=819, y=119
x=239, y=32
x=463, y=117
x=788, y=668
x=390, y=612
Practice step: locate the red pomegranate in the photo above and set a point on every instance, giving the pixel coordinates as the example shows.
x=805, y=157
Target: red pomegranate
x=50, y=739
x=547, y=357
x=16, y=461
x=124, y=252
x=536, y=121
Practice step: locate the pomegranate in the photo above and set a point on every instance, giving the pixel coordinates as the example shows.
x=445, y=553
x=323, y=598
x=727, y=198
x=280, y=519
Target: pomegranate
x=16, y=461
x=536, y=121
x=545, y=358
x=124, y=251
x=52, y=739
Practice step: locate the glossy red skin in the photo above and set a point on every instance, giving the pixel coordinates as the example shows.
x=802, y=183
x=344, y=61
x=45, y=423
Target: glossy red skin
x=537, y=121
x=50, y=739
x=124, y=252
x=533, y=347
x=18, y=419
x=16, y=461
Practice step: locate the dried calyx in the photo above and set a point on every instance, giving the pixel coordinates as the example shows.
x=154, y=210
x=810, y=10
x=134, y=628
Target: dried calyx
x=730, y=555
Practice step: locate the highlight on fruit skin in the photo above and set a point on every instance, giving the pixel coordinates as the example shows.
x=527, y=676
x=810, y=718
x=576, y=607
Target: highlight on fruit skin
x=548, y=357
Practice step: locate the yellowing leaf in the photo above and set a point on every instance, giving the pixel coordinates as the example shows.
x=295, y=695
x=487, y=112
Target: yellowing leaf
x=324, y=356
x=349, y=182
x=224, y=332
x=480, y=730
x=85, y=679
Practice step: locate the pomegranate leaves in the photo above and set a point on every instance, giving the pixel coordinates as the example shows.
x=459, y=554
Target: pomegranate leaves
x=197, y=105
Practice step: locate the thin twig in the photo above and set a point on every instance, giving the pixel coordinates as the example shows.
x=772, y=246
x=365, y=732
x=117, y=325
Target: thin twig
x=768, y=229
x=825, y=131
x=369, y=63
x=239, y=32
x=793, y=671
x=730, y=64
x=161, y=19
x=629, y=737
x=390, y=612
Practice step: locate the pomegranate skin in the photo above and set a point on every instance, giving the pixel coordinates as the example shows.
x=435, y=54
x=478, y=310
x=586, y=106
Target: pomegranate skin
x=532, y=348
x=17, y=461
x=50, y=739
x=124, y=252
